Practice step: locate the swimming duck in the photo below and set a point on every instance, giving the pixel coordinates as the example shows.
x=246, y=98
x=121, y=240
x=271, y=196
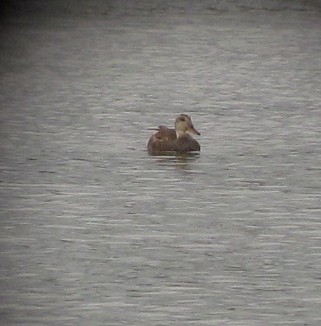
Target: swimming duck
x=175, y=140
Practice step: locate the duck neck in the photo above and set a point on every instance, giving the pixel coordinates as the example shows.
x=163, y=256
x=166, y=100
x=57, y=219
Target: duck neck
x=180, y=133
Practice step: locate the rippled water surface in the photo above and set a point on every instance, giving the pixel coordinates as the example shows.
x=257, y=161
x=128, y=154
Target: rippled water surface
x=94, y=231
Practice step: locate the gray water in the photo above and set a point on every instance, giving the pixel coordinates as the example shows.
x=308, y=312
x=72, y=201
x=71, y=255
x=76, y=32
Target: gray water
x=94, y=231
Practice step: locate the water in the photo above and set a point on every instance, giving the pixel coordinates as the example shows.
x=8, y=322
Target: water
x=96, y=232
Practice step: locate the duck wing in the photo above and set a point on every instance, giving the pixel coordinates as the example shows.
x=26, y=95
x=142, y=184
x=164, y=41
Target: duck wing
x=166, y=134
x=164, y=140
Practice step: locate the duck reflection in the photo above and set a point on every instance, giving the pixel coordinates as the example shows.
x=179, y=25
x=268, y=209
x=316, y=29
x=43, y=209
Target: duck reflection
x=181, y=161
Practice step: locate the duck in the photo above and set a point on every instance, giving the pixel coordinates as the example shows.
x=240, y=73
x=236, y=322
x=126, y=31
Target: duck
x=174, y=140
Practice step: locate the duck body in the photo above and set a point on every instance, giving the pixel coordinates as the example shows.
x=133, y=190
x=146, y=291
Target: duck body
x=174, y=140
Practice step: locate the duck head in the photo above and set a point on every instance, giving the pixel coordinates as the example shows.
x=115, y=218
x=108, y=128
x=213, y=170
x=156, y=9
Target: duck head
x=183, y=124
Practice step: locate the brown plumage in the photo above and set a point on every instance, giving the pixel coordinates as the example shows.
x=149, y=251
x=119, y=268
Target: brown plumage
x=174, y=140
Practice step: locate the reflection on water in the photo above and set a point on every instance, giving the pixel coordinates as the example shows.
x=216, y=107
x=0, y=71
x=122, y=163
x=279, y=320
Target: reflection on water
x=181, y=161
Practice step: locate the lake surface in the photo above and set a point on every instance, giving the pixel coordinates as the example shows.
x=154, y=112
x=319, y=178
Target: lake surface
x=94, y=231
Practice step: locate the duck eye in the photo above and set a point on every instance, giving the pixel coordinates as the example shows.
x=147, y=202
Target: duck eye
x=181, y=119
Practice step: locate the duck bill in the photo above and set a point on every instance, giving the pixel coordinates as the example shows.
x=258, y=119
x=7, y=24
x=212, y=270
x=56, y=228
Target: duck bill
x=192, y=130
